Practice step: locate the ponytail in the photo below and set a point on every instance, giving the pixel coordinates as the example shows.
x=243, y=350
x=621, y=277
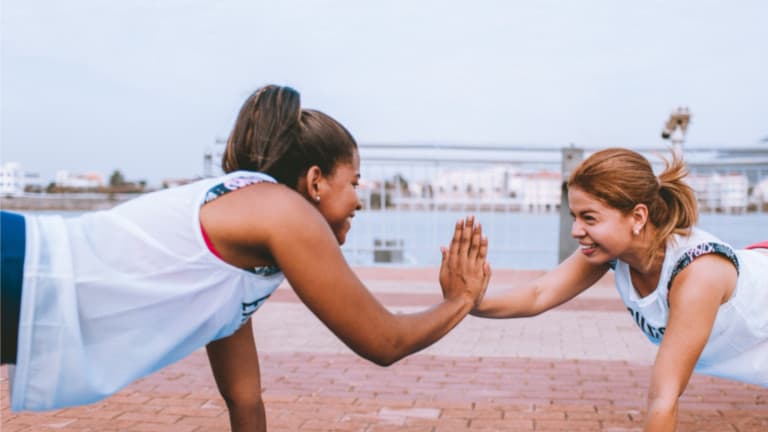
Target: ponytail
x=274, y=135
x=675, y=209
x=264, y=130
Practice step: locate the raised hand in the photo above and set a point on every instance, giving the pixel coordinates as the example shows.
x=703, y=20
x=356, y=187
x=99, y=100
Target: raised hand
x=464, y=270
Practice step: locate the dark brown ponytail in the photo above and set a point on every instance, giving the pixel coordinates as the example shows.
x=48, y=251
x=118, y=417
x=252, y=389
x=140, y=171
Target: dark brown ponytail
x=274, y=135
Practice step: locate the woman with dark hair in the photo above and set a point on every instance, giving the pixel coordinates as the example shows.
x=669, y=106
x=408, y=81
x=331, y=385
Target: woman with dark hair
x=94, y=302
x=702, y=301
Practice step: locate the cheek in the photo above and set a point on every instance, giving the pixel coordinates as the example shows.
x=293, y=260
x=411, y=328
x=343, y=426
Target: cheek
x=602, y=234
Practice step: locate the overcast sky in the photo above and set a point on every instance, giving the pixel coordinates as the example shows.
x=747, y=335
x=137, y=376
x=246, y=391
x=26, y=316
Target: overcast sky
x=146, y=86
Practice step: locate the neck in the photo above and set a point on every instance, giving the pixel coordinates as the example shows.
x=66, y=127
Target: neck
x=638, y=254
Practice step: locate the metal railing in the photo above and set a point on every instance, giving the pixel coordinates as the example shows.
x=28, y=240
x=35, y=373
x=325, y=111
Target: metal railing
x=412, y=194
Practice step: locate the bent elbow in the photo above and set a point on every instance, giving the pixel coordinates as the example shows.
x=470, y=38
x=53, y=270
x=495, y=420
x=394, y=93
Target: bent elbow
x=533, y=313
x=387, y=351
x=384, y=361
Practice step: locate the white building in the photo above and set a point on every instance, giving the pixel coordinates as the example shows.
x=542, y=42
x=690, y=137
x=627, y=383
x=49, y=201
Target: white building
x=14, y=180
x=721, y=192
x=541, y=191
x=11, y=179
x=66, y=179
x=500, y=187
x=759, y=197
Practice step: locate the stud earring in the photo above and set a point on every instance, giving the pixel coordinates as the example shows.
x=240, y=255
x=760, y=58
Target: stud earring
x=317, y=198
x=636, y=231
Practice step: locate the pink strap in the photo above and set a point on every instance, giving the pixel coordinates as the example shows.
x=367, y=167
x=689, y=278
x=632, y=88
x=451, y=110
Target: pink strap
x=761, y=245
x=208, y=242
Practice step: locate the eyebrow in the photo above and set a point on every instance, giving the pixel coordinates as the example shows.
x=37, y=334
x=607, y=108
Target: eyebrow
x=583, y=212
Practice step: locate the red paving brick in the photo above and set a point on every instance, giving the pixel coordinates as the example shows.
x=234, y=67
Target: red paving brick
x=457, y=389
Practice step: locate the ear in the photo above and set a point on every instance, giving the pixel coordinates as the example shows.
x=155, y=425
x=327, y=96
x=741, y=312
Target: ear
x=639, y=215
x=310, y=183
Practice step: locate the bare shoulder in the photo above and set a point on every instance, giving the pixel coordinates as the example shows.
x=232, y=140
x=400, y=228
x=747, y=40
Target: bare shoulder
x=710, y=275
x=254, y=216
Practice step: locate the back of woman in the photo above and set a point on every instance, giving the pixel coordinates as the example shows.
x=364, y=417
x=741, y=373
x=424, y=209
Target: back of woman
x=98, y=286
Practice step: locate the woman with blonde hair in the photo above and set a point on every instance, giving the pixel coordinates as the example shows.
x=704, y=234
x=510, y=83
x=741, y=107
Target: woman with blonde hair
x=703, y=302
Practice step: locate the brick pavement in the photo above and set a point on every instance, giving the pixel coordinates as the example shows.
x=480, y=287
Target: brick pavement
x=583, y=366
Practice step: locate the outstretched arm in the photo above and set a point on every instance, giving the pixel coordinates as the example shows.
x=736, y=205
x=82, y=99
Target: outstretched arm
x=325, y=283
x=557, y=286
x=694, y=299
x=297, y=237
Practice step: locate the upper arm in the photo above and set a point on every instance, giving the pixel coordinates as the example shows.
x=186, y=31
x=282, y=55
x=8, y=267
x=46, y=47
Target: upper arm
x=304, y=247
x=694, y=299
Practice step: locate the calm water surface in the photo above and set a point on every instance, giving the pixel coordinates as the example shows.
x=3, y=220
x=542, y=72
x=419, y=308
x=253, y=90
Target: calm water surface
x=516, y=240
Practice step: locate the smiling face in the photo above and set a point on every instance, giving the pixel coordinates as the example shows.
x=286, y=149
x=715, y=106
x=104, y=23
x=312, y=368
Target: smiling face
x=338, y=197
x=603, y=232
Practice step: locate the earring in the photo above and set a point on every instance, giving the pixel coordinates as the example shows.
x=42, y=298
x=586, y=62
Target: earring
x=636, y=231
x=317, y=198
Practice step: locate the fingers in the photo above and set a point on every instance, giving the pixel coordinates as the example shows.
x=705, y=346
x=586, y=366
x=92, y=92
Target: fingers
x=482, y=252
x=476, y=244
x=466, y=236
x=456, y=240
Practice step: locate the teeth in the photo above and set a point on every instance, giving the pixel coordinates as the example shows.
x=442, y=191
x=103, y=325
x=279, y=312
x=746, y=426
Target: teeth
x=589, y=246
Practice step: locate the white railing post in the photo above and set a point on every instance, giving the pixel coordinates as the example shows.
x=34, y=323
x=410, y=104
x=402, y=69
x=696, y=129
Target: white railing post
x=572, y=156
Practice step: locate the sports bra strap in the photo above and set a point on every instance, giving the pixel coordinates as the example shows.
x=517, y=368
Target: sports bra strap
x=700, y=250
x=231, y=184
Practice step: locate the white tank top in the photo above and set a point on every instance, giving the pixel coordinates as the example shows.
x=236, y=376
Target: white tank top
x=738, y=345
x=111, y=296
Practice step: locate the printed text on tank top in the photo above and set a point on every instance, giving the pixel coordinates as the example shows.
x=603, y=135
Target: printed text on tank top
x=656, y=333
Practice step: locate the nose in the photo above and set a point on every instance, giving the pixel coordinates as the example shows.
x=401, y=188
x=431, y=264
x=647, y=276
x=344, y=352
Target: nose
x=577, y=229
x=359, y=205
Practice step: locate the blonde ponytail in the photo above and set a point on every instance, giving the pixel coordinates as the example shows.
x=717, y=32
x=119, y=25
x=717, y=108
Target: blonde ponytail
x=675, y=211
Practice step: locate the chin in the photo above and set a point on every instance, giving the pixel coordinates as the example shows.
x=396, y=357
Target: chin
x=341, y=237
x=341, y=234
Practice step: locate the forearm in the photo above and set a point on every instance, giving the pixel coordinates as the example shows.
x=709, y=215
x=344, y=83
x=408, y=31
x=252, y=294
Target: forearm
x=516, y=303
x=413, y=332
x=437, y=321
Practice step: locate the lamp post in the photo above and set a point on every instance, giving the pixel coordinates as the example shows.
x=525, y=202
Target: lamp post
x=676, y=127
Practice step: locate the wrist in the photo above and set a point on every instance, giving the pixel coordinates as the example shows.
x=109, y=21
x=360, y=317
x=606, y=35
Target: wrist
x=464, y=301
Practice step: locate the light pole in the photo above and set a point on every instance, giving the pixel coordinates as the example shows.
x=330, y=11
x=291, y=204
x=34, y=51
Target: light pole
x=676, y=127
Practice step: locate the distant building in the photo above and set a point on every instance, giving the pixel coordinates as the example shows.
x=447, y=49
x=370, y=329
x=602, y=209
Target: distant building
x=15, y=181
x=759, y=197
x=500, y=187
x=727, y=193
x=91, y=180
x=11, y=179
x=540, y=192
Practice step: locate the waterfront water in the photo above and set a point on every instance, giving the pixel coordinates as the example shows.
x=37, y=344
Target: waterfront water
x=516, y=240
